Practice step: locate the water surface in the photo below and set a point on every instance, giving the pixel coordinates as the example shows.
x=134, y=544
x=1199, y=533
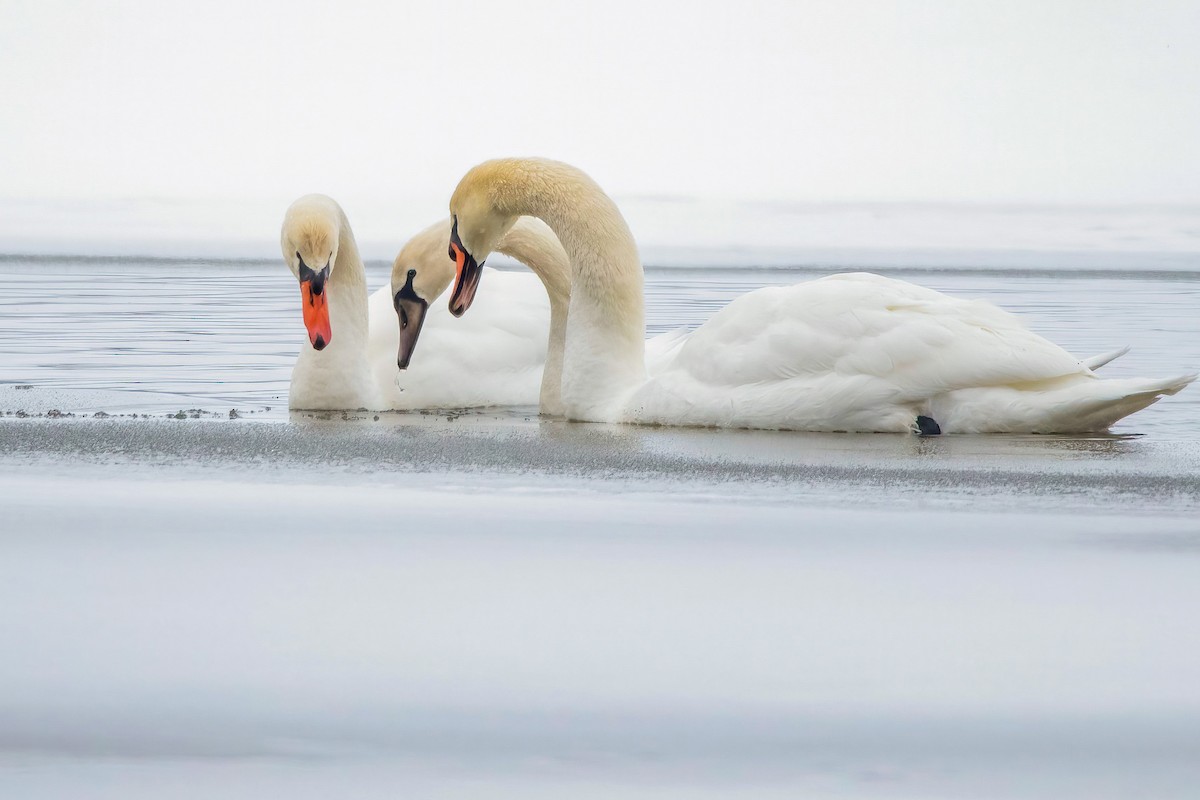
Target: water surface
x=221, y=334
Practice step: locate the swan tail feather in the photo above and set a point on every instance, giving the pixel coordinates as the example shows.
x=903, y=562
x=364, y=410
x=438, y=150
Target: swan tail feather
x=1089, y=406
x=1118, y=402
x=1096, y=362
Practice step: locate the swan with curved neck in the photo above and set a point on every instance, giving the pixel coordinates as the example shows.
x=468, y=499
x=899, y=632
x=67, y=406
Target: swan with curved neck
x=854, y=352
x=355, y=344
x=604, y=349
x=420, y=273
x=319, y=248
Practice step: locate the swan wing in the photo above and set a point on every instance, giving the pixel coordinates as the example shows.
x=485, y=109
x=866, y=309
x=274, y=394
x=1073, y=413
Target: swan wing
x=868, y=325
x=662, y=349
x=846, y=352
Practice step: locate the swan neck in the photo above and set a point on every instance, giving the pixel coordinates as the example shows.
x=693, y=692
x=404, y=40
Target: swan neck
x=534, y=244
x=603, y=357
x=348, y=289
x=338, y=376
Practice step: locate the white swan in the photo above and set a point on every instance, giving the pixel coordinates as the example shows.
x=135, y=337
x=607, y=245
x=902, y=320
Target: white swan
x=532, y=242
x=352, y=362
x=854, y=352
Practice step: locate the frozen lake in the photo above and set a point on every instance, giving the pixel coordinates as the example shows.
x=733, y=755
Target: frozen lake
x=489, y=605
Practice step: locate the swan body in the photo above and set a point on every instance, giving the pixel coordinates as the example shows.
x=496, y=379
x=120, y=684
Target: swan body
x=511, y=319
x=853, y=352
x=496, y=360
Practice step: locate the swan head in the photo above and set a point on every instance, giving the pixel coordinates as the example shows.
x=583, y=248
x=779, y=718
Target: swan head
x=476, y=227
x=309, y=242
x=420, y=273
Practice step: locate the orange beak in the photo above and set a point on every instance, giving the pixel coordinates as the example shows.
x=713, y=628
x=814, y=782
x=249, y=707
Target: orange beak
x=466, y=274
x=316, y=311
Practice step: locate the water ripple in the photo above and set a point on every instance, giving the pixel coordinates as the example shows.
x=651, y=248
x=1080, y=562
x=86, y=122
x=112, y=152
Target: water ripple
x=229, y=331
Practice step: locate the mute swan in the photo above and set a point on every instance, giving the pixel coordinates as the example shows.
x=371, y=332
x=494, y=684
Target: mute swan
x=352, y=362
x=539, y=248
x=852, y=352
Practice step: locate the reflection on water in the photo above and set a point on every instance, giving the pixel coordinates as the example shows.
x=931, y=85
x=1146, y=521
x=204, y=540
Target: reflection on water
x=227, y=333
x=1113, y=445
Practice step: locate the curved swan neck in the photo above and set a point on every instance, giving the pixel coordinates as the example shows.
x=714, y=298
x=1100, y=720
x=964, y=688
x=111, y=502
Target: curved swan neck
x=534, y=244
x=338, y=376
x=597, y=240
x=348, y=261
x=348, y=292
x=604, y=354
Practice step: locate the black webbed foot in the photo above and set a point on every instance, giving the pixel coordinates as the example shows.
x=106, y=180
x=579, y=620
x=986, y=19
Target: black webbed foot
x=927, y=426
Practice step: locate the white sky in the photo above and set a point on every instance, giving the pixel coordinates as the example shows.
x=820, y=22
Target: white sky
x=1058, y=102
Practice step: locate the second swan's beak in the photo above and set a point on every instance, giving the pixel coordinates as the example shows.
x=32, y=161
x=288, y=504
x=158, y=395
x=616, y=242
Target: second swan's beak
x=411, y=313
x=466, y=274
x=315, y=306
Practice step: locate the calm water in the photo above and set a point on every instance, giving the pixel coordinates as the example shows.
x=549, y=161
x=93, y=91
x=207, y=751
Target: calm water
x=223, y=334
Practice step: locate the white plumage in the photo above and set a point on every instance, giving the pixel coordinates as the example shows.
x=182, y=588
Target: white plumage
x=861, y=352
x=494, y=359
x=854, y=352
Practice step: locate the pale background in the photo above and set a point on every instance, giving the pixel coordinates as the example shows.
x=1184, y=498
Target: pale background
x=134, y=125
